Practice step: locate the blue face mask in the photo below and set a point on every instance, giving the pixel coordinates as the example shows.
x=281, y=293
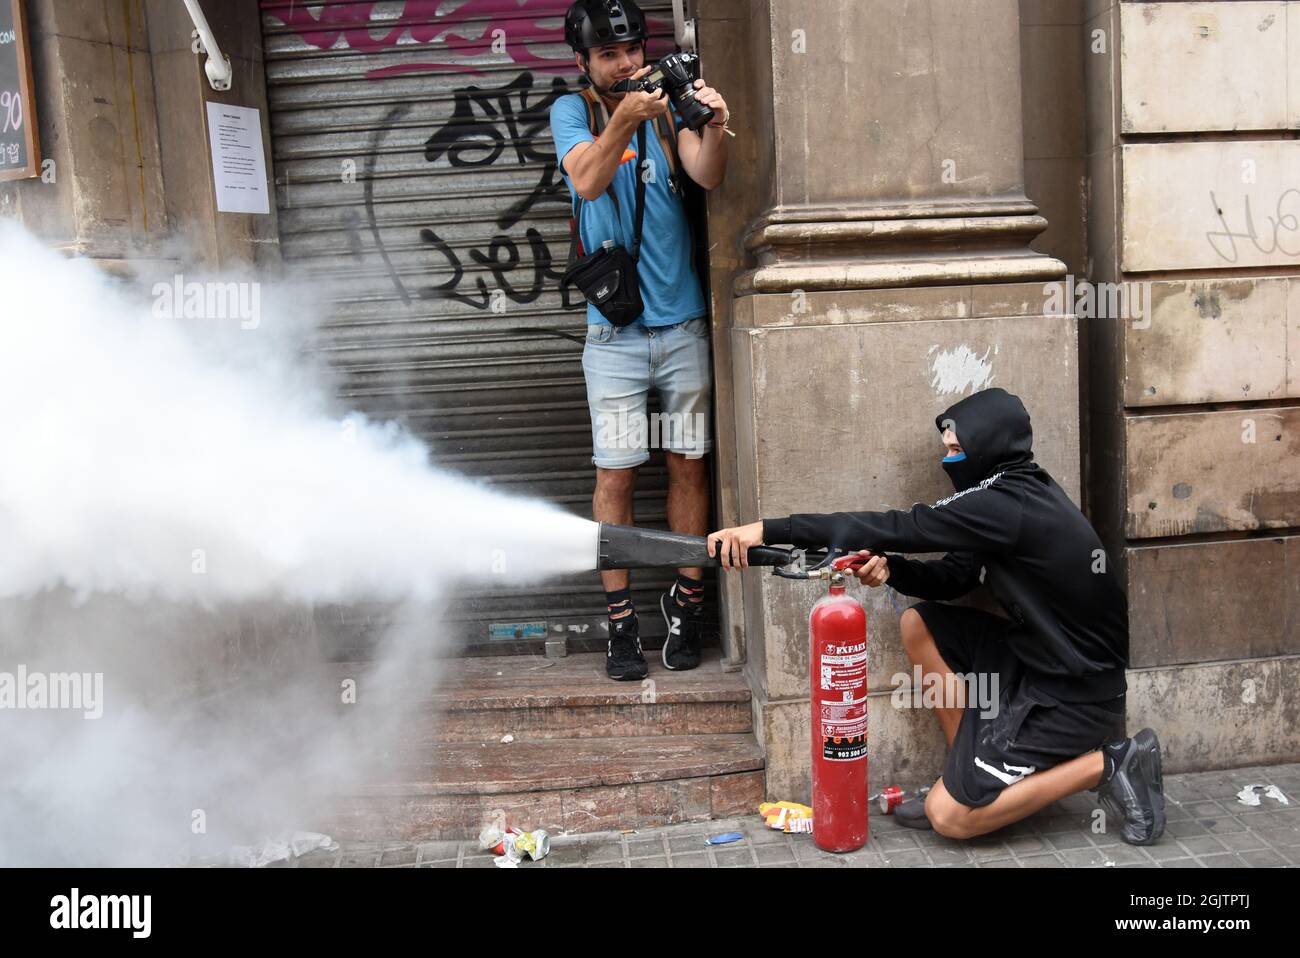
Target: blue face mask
x=961, y=471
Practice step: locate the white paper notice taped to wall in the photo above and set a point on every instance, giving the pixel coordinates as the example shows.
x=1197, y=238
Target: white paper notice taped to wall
x=238, y=163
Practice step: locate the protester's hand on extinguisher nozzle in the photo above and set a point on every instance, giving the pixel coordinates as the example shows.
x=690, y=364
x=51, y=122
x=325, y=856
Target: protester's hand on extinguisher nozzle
x=875, y=571
x=732, y=545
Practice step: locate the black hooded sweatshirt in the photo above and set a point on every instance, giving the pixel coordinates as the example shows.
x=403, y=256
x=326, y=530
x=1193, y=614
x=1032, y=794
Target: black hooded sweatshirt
x=1010, y=526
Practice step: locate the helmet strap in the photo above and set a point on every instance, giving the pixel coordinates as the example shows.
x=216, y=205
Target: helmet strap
x=586, y=71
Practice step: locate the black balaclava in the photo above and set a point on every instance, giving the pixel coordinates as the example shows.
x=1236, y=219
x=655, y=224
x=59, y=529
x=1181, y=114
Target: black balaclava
x=993, y=429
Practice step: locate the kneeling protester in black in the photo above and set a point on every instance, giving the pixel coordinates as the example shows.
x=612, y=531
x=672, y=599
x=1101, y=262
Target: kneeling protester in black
x=1060, y=654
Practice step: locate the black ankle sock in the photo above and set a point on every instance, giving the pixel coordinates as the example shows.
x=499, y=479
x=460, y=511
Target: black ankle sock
x=689, y=594
x=620, y=604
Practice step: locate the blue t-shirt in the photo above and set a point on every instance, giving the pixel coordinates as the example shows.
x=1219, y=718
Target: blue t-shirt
x=669, y=287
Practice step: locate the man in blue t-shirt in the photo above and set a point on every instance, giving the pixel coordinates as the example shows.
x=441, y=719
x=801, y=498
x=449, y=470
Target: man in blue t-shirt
x=667, y=347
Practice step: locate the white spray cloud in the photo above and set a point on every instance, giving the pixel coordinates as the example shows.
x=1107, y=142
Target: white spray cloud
x=169, y=485
x=137, y=462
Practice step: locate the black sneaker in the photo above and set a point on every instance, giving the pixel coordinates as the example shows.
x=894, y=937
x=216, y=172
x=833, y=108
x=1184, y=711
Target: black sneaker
x=623, y=658
x=1134, y=790
x=911, y=814
x=682, y=647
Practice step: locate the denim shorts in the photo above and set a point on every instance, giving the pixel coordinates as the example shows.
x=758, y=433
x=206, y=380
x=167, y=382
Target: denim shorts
x=622, y=365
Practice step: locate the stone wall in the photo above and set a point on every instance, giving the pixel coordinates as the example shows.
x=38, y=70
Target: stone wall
x=1194, y=434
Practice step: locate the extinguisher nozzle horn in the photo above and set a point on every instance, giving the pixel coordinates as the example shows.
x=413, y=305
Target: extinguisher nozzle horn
x=627, y=547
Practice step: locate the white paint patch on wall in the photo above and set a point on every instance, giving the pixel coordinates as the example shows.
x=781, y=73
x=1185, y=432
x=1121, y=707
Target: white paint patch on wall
x=959, y=370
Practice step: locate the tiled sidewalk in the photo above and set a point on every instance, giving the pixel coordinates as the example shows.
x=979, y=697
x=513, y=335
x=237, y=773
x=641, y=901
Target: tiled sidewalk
x=1207, y=827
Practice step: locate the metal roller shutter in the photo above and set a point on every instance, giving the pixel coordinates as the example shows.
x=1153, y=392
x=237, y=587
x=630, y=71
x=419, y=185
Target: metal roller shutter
x=414, y=165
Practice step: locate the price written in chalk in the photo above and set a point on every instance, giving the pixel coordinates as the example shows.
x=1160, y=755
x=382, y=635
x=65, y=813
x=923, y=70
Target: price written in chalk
x=11, y=107
x=20, y=151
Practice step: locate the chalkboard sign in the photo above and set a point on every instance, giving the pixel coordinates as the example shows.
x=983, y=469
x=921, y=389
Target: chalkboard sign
x=20, y=151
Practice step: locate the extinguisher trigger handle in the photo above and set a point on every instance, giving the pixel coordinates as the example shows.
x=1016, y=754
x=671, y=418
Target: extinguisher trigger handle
x=831, y=561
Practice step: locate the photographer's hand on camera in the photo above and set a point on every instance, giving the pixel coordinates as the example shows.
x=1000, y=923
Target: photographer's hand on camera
x=711, y=98
x=636, y=107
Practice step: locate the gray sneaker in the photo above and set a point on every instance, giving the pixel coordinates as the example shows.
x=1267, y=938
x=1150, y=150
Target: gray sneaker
x=1134, y=792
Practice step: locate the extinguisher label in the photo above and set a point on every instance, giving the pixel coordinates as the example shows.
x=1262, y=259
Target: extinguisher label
x=844, y=707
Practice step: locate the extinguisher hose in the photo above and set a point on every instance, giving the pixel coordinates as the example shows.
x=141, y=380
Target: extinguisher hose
x=628, y=547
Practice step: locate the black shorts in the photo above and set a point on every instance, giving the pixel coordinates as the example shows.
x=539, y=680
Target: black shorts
x=1028, y=731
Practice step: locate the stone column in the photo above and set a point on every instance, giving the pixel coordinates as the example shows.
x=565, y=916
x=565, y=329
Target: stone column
x=894, y=149
x=885, y=274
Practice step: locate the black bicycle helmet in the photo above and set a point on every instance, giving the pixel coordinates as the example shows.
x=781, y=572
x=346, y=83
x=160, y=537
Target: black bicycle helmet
x=595, y=23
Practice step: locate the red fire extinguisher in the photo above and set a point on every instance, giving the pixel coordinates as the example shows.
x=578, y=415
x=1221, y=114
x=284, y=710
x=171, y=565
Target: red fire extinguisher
x=837, y=628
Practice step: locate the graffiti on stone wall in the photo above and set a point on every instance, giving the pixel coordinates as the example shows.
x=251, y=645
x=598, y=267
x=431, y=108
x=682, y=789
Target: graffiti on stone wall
x=1268, y=236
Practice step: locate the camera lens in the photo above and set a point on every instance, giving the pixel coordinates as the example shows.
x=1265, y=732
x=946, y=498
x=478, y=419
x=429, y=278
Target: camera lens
x=678, y=71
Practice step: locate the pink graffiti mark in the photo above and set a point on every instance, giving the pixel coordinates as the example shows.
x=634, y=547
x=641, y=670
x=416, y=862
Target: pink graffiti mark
x=419, y=19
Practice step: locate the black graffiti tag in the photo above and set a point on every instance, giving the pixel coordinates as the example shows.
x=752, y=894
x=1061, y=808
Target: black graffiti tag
x=501, y=258
x=484, y=125
x=485, y=122
x=390, y=120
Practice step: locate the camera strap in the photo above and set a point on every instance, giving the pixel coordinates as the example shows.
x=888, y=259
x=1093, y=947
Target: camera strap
x=642, y=161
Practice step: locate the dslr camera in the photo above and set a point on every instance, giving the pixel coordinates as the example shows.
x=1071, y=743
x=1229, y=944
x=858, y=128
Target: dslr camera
x=676, y=74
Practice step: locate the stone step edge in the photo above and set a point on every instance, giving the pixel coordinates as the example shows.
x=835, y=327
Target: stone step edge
x=453, y=702
x=731, y=753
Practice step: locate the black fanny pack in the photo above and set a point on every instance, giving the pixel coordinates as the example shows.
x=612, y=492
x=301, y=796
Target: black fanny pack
x=608, y=278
